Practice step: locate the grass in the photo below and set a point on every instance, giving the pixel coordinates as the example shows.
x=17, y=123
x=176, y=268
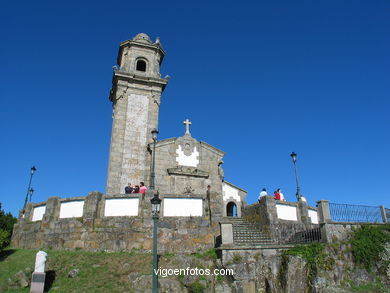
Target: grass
x=372, y=287
x=99, y=271
x=210, y=254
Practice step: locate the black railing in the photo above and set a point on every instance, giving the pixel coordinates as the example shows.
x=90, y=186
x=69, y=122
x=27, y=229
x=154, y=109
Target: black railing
x=286, y=233
x=355, y=213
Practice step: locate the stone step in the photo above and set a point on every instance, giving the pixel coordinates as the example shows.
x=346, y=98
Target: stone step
x=247, y=234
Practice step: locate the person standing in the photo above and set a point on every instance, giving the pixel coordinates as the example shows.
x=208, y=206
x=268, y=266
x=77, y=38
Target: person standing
x=277, y=194
x=142, y=188
x=128, y=189
x=281, y=195
x=262, y=193
x=136, y=189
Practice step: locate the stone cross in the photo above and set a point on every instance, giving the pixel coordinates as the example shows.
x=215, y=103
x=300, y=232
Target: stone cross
x=187, y=123
x=40, y=261
x=39, y=275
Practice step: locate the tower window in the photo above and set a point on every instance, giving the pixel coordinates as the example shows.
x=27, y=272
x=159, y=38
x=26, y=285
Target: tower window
x=141, y=65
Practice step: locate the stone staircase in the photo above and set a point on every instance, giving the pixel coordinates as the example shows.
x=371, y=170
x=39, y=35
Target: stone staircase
x=247, y=234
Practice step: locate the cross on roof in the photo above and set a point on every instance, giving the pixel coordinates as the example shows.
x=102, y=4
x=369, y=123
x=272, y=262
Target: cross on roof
x=187, y=124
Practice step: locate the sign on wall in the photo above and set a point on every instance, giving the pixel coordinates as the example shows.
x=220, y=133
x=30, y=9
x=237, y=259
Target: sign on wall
x=117, y=207
x=183, y=207
x=71, y=209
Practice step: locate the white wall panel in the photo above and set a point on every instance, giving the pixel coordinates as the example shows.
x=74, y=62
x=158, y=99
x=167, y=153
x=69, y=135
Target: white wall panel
x=313, y=216
x=286, y=212
x=183, y=207
x=38, y=213
x=117, y=207
x=71, y=209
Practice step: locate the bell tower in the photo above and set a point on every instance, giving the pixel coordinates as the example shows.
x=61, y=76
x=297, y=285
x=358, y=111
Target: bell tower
x=135, y=95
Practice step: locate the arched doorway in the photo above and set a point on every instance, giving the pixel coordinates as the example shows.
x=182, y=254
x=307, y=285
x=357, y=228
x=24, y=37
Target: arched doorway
x=231, y=209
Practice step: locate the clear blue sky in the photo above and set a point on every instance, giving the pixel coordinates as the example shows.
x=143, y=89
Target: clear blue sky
x=258, y=79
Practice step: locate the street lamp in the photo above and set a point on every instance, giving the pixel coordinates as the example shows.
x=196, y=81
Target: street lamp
x=156, y=202
x=31, y=192
x=152, y=174
x=32, y=171
x=294, y=158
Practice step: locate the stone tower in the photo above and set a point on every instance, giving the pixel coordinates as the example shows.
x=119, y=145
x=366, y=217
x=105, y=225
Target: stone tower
x=135, y=95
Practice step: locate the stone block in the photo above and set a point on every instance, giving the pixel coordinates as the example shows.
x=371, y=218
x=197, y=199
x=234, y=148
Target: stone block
x=37, y=282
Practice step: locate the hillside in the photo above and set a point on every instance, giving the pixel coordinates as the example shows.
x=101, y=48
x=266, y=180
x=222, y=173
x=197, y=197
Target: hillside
x=104, y=272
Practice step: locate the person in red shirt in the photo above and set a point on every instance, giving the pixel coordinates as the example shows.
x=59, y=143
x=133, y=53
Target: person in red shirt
x=277, y=195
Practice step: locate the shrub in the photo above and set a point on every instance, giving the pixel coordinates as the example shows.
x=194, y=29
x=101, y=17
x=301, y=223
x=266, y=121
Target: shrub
x=369, y=244
x=4, y=239
x=7, y=222
x=196, y=287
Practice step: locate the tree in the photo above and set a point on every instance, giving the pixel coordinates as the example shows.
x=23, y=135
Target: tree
x=7, y=222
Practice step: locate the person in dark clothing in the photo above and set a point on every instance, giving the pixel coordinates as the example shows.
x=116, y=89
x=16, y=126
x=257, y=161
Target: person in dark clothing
x=128, y=189
x=136, y=189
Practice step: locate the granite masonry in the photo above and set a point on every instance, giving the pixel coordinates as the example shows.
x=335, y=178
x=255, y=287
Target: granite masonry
x=188, y=176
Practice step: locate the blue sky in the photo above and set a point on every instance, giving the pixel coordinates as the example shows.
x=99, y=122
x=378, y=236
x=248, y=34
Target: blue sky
x=258, y=79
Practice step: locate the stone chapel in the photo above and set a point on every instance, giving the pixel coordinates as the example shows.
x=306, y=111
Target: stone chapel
x=185, y=167
x=188, y=176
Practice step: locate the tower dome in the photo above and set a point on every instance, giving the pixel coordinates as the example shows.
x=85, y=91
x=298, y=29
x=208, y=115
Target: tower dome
x=143, y=38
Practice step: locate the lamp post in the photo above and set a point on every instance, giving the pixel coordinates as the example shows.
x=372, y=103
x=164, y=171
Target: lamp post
x=32, y=171
x=294, y=158
x=152, y=174
x=156, y=202
x=31, y=192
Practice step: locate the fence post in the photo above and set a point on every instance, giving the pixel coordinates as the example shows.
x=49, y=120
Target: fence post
x=323, y=212
x=303, y=213
x=383, y=212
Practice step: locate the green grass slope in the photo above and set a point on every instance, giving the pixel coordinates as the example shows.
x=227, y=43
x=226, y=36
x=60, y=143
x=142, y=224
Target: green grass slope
x=99, y=271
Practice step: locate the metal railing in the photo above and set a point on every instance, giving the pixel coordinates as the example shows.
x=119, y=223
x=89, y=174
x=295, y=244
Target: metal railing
x=355, y=213
x=286, y=233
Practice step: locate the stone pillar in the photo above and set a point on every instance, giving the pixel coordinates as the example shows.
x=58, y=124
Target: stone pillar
x=91, y=202
x=303, y=213
x=52, y=212
x=90, y=210
x=269, y=204
x=383, y=213
x=226, y=233
x=29, y=212
x=323, y=212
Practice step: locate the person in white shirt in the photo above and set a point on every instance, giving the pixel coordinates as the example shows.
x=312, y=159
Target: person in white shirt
x=281, y=195
x=262, y=193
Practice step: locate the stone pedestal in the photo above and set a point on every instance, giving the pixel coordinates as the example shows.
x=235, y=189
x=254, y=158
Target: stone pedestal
x=37, y=282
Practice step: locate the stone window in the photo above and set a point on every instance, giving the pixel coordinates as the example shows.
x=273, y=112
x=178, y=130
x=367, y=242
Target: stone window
x=141, y=65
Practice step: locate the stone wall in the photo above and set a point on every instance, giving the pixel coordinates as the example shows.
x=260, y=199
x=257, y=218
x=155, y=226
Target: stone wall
x=268, y=270
x=96, y=232
x=269, y=211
